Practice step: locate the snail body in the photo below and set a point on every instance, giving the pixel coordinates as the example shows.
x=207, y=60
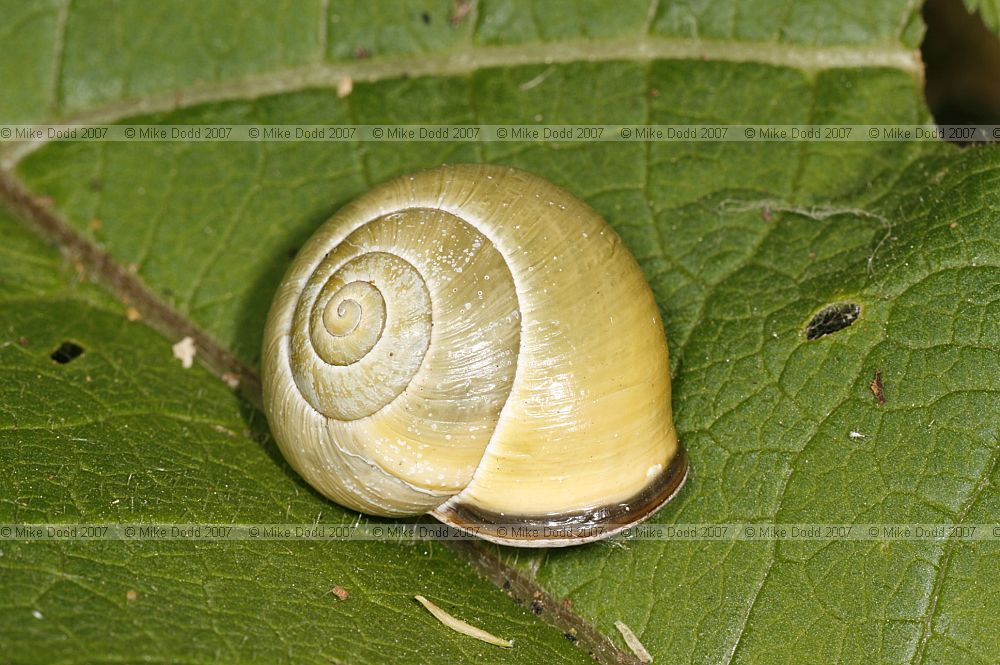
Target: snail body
x=474, y=342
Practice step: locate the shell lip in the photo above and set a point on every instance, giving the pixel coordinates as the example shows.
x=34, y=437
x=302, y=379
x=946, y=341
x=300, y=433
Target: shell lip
x=571, y=528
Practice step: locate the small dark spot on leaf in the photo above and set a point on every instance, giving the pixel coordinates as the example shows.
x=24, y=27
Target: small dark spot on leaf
x=570, y=636
x=877, y=388
x=23, y=341
x=361, y=53
x=96, y=184
x=425, y=17
x=506, y=585
x=832, y=318
x=67, y=352
x=459, y=11
x=292, y=251
x=536, y=607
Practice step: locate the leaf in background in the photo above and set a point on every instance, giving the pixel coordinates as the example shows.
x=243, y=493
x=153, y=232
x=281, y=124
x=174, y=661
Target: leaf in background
x=742, y=242
x=989, y=10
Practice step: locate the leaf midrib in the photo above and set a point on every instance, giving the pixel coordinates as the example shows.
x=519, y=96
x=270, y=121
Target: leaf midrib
x=468, y=60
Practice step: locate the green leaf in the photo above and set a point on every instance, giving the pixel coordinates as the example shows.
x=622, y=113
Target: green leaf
x=743, y=244
x=989, y=10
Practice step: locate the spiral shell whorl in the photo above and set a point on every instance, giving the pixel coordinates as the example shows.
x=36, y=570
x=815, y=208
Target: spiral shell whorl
x=403, y=344
x=360, y=332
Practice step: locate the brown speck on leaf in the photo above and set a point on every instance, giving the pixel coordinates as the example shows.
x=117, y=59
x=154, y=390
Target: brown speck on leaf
x=653, y=93
x=953, y=225
x=877, y=388
x=765, y=214
x=131, y=595
x=537, y=607
x=459, y=11
x=344, y=86
x=96, y=224
x=45, y=201
x=232, y=379
x=567, y=604
x=361, y=53
x=340, y=592
x=132, y=314
x=812, y=255
x=23, y=341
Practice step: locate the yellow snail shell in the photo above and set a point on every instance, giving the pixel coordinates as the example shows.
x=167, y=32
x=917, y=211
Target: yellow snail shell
x=474, y=342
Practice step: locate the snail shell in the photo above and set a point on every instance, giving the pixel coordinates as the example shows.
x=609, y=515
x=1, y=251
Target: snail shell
x=474, y=342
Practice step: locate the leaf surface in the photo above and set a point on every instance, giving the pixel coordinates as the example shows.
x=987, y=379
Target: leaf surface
x=743, y=243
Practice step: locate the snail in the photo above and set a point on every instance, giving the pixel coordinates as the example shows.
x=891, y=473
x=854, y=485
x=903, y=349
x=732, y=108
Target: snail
x=476, y=343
